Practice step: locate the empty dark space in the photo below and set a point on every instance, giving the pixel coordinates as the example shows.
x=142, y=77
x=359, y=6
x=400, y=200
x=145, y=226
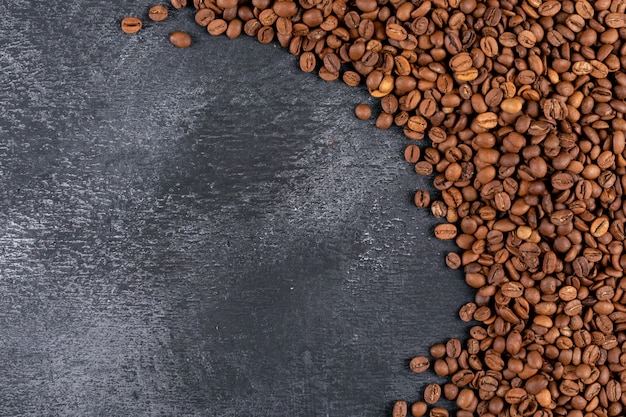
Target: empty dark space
x=202, y=232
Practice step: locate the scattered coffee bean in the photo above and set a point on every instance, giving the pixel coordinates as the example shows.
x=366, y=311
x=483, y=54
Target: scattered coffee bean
x=363, y=111
x=178, y=4
x=158, y=13
x=131, y=25
x=419, y=364
x=180, y=39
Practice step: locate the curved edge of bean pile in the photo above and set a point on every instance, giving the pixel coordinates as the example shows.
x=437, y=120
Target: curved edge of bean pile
x=518, y=109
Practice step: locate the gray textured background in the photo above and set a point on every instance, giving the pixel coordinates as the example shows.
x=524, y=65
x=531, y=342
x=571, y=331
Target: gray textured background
x=201, y=232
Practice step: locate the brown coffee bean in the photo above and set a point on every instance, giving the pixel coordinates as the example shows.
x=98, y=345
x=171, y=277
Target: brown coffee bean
x=180, y=39
x=419, y=409
x=615, y=20
x=217, y=26
x=515, y=395
x=204, y=16
x=363, y=111
x=599, y=227
x=438, y=412
x=432, y=393
x=131, y=25
x=419, y=364
x=453, y=260
x=158, y=13
x=399, y=409
x=487, y=120
x=445, y=231
x=421, y=198
x=461, y=62
x=308, y=62
x=178, y=4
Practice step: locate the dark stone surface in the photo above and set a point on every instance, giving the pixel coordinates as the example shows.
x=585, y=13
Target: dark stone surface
x=201, y=232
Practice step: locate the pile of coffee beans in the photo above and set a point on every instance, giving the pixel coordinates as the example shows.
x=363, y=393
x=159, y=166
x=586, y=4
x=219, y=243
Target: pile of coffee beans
x=516, y=107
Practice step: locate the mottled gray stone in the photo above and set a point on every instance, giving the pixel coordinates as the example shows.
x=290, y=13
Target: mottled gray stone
x=201, y=232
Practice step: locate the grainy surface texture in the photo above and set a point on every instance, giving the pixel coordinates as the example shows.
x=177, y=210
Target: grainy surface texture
x=201, y=232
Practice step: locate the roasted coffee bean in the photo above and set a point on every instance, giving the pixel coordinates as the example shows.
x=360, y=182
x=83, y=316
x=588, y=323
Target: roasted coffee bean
x=432, y=393
x=453, y=260
x=180, y=39
x=217, y=26
x=178, y=4
x=157, y=13
x=422, y=198
x=131, y=25
x=308, y=62
x=399, y=409
x=445, y=231
x=363, y=112
x=204, y=16
x=419, y=364
x=419, y=409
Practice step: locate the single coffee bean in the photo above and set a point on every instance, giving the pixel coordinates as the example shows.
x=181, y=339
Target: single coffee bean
x=363, y=111
x=157, y=13
x=217, y=26
x=204, y=16
x=599, y=227
x=445, y=231
x=419, y=409
x=615, y=20
x=453, y=260
x=178, y=4
x=399, y=409
x=432, y=393
x=308, y=62
x=421, y=198
x=131, y=25
x=438, y=412
x=419, y=364
x=180, y=39
x=412, y=153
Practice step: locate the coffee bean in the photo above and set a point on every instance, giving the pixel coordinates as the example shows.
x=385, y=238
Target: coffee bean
x=204, y=16
x=399, y=409
x=599, y=227
x=308, y=62
x=453, y=260
x=419, y=364
x=178, y=4
x=419, y=409
x=363, y=111
x=439, y=412
x=432, y=393
x=422, y=198
x=131, y=25
x=180, y=39
x=445, y=231
x=217, y=26
x=158, y=13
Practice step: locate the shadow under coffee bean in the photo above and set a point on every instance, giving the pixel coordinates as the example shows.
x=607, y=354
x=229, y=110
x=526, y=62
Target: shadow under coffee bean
x=518, y=110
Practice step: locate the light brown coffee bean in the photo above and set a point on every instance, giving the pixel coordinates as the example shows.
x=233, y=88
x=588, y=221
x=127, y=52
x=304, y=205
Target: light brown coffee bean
x=599, y=227
x=363, y=111
x=308, y=62
x=445, y=231
x=131, y=25
x=399, y=409
x=180, y=39
x=432, y=393
x=178, y=4
x=419, y=364
x=217, y=27
x=158, y=13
